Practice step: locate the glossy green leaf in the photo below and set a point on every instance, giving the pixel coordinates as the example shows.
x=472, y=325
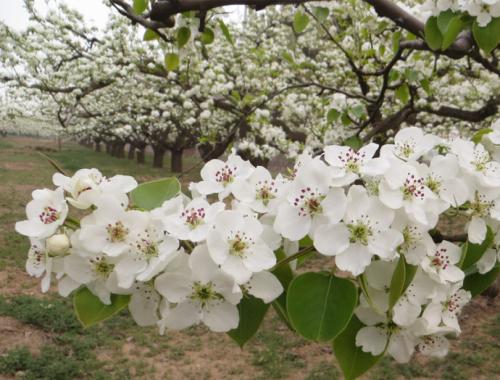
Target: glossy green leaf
x=150, y=35
x=149, y=195
x=443, y=20
x=140, y=6
x=358, y=111
x=225, y=32
x=477, y=283
x=171, y=61
x=487, y=37
x=472, y=253
x=321, y=13
x=396, y=38
x=426, y=85
x=208, y=36
x=353, y=361
x=252, y=312
x=354, y=142
x=433, y=36
x=397, y=282
x=90, y=310
x=455, y=26
x=183, y=36
x=478, y=136
x=300, y=21
x=332, y=115
x=320, y=305
x=403, y=93
x=410, y=272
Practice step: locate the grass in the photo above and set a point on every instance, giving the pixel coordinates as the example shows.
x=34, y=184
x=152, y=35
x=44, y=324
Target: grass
x=118, y=349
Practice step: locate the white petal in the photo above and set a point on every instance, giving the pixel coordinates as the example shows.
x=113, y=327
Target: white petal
x=181, y=316
x=354, y=259
x=174, y=287
x=476, y=230
x=372, y=339
x=331, y=239
x=221, y=317
x=265, y=285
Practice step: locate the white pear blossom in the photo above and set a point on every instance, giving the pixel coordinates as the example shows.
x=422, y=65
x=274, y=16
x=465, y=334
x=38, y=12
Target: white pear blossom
x=409, y=145
x=46, y=213
x=236, y=244
x=365, y=232
x=206, y=295
x=441, y=266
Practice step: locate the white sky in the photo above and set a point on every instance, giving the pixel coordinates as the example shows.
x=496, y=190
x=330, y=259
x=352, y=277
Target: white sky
x=12, y=12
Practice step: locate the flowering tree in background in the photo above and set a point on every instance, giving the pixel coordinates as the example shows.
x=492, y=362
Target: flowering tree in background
x=374, y=129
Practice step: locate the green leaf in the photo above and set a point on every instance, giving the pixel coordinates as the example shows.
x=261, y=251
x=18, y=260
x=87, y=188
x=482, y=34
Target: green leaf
x=477, y=283
x=403, y=93
x=478, y=136
x=140, y=6
x=208, y=36
x=353, y=361
x=345, y=119
x=320, y=305
x=472, y=253
x=397, y=282
x=426, y=85
x=226, y=32
x=150, y=35
x=410, y=272
x=443, y=20
x=358, y=111
x=396, y=38
x=487, y=37
x=288, y=57
x=300, y=21
x=433, y=36
x=149, y=195
x=354, y=142
x=171, y=61
x=183, y=36
x=321, y=13
x=284, y=274
x=455, y=26
x=252, y=311
x=332, y=115
x=90, y=310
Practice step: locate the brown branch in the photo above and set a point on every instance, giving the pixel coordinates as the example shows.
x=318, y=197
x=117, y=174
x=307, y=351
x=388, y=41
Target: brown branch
x=489, y=109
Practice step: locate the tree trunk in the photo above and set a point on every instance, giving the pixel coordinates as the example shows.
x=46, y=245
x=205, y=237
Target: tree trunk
x=141, y=155
x=131, y=152
x=158, y=154
x=176, y=163
x=109, y=147
x=59, y=143
x=120, y=150
x=97, y=145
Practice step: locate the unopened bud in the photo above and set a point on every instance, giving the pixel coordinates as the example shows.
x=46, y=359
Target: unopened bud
x=57, y=245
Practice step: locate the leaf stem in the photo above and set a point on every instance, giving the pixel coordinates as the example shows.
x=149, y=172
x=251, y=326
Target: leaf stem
x=295, y=256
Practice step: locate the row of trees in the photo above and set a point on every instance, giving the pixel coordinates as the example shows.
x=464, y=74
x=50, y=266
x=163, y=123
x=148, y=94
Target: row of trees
x=283, y=80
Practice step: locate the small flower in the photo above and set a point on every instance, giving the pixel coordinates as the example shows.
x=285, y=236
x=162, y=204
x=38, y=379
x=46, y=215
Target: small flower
x=440, y=264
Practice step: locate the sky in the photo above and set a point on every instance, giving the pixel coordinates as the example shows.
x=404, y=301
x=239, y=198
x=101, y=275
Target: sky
x=12, y=12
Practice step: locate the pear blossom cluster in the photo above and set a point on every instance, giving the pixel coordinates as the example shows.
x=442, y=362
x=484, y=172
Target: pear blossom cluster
x=482, y=10
x=194, y=258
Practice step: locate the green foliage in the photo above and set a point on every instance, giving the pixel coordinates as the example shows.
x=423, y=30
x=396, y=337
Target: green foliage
x=140, y=6
x=478, y=136
x=354, y=142
x=397, y=282
x=171, y=61
x=472, y=253
x=320, y=305
x=321, y=13
x=353, y=361
x=487, y=37
x=332, y=115
x=150, y=35
x=226, y=32
x=300, y=21
x=477, y=283
x=403, y=93
x=207, y=36
x=252, y=312
x=149, y=195
x=183, y=36
x=285, y=276
x=433, y=36
x=90, y=310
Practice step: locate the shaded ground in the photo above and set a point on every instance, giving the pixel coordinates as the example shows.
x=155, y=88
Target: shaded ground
x=40, y=338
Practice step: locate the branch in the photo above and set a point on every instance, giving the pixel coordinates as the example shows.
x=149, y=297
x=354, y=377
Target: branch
x=489, y=109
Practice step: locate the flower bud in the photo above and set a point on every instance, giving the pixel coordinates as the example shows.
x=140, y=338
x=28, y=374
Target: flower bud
x=57, y=245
